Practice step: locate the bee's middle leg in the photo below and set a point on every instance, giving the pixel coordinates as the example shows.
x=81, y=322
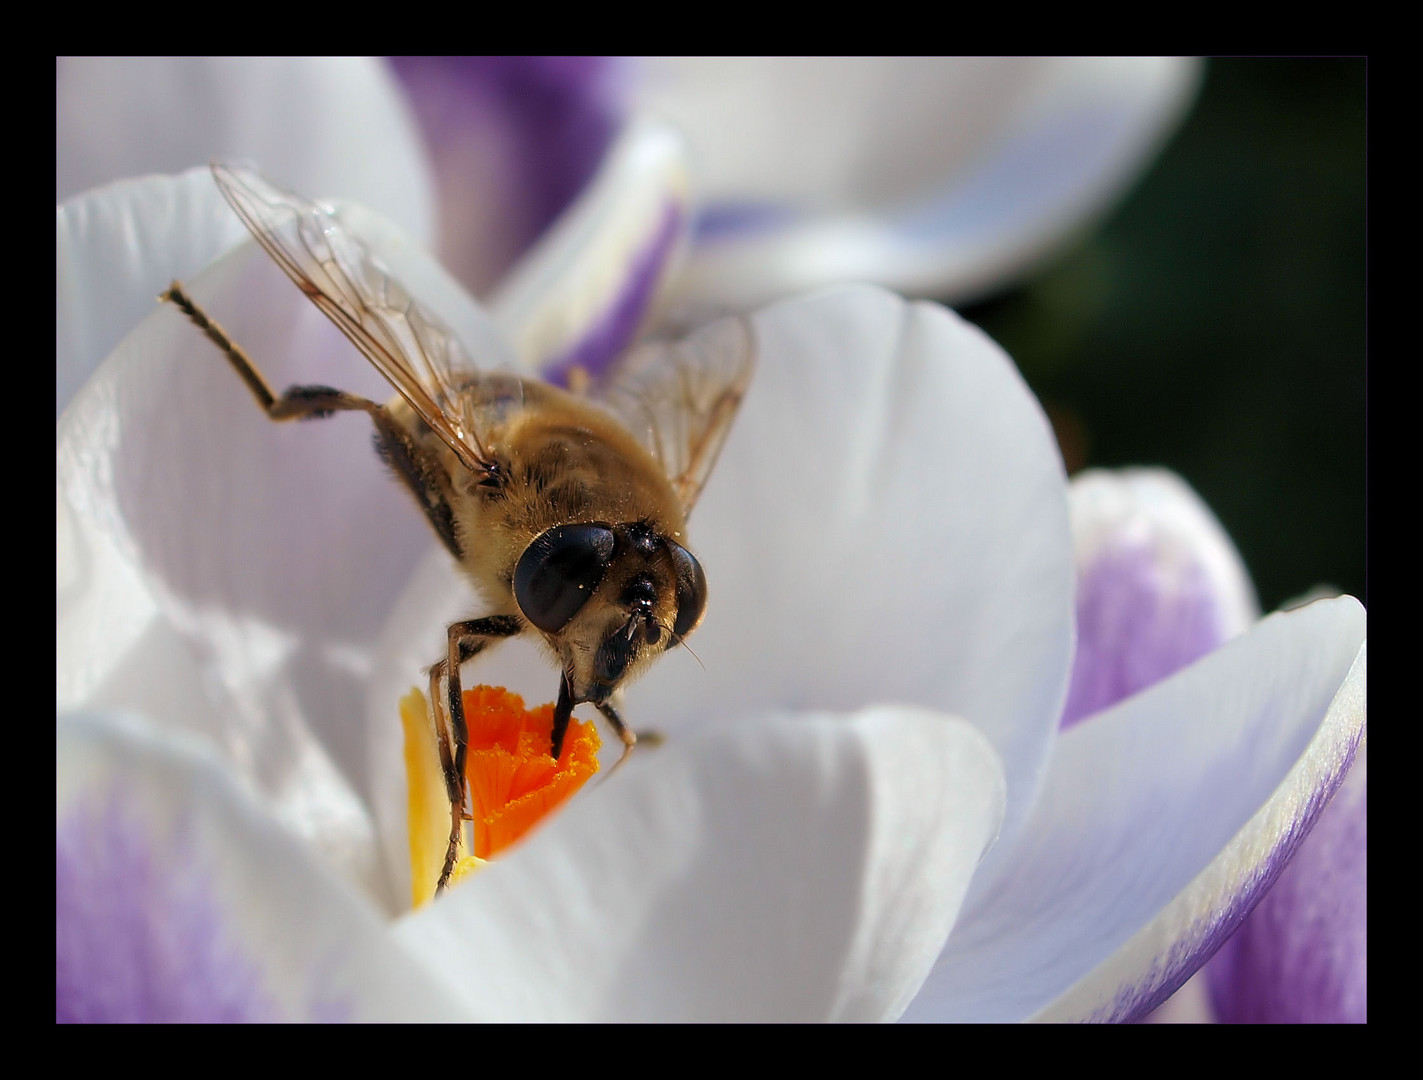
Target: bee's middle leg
x=466, y=639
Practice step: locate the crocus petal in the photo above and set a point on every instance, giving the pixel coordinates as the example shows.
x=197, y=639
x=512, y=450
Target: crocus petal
x=116, y=249
x=578, y=298
x=1161, y=824
x=324, y=126
x=790, y=869
x=309, y=124
x=843, y=567
x=1302, y=955
x=193, y=589
x=931, y=176
x=179, y=899
x=512, y=140
x=1159, y=584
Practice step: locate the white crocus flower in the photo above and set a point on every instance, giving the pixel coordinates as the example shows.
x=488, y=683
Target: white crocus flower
x=887, y=541
x=804, y=830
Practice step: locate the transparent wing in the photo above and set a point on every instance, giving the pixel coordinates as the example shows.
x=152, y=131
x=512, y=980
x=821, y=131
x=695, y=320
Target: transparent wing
x=406, y=342
x=679, y=398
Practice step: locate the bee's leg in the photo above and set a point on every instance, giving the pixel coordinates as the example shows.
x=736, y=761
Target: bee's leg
x=466, y=639
x=625, y=733
x=455, y=783
x=298, y=402
x=413, y=465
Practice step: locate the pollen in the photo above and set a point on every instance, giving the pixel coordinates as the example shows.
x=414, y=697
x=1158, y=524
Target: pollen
x=513, y=782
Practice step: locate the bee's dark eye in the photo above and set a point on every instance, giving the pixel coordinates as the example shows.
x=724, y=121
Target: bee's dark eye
x=691, y=589
x=559, y=571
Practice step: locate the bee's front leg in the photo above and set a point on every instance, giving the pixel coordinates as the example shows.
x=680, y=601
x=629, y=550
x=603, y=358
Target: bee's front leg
x=466, y=639
x=625, y=733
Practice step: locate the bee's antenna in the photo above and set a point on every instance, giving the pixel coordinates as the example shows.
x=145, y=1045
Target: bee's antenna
x=679, y=640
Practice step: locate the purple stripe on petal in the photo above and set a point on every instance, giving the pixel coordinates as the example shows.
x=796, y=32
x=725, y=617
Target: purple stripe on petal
x=1137, y=623
x=139, y=938
x=737, y=220
x=1302, y=956
x=525, y=131
x=1198, y=946
x=604, y=341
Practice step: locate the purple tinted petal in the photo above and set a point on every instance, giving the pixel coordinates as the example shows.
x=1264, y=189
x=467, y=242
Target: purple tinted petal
x=139, y=937
x=1302, y=956
x=1160, y=823
x=605, y=340
x=529, y=129
x=579, y=295
x=1136, y=624
x=1134, y=1004
x=1159, y=584
x=1303, y=979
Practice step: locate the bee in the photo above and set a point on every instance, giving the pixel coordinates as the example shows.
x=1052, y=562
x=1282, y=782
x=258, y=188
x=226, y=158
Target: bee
x=566, y=510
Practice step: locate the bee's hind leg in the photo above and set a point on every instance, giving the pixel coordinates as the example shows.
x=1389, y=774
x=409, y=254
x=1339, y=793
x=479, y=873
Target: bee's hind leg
x=298, y=402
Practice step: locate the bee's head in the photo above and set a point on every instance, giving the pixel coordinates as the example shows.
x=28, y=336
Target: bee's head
x=608, y=598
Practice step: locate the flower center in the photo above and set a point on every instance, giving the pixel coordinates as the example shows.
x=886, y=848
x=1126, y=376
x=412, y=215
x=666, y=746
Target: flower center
x=513, y=782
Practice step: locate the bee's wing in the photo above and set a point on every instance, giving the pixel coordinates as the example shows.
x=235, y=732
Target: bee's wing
x=679, y=398
x=406, y=342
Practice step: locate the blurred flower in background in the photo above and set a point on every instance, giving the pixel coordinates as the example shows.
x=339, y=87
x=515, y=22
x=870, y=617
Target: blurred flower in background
x=881, y=181
x=942, y=178
x=933, y=177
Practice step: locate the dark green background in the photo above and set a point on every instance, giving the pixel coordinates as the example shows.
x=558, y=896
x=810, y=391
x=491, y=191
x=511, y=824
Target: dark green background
x=1215, y=323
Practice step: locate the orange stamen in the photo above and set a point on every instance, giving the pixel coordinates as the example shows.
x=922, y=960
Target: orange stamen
x=513, y=782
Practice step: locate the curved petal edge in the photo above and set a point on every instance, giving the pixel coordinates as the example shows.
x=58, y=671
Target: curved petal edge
x=799, y=868
x=1161, y=956
x=178, y=897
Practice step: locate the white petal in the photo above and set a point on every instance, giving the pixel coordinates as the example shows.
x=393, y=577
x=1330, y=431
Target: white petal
x=116, y=248
x=939, y=176
x=225, y=574
x=1161, y=822
x=790, y=869
x=324, y=126
x=886, y=523
x=222, y=573
x=209, y=859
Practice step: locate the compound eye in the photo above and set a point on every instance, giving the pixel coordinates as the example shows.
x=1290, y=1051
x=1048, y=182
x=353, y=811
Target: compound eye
x=691, y=589
x=559, y=571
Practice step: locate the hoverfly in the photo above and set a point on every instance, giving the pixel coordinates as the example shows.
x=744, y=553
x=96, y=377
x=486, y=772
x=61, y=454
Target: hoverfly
x=567, y=511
